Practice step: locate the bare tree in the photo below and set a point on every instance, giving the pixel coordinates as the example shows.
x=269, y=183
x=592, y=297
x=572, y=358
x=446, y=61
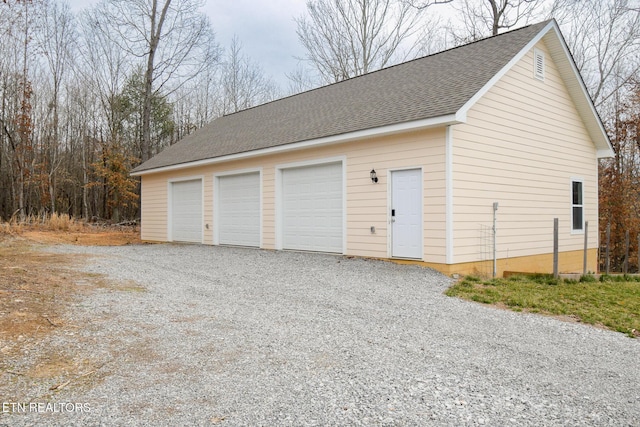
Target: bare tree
x=56, y=42
x=197, y=103
x=300, y=80
x=71, y=99
x=604, y=38
x=347, y=38
x=173, y=39
x=104, y=67
x=18, y=23
x=243, y=83
x=483, y=18
x=423, y=4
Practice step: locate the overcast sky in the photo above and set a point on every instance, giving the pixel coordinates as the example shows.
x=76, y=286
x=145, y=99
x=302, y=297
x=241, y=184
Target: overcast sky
x=265, y=27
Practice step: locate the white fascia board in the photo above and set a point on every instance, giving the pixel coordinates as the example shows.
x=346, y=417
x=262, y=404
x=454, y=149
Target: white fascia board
x=605, y=153
x=351, y=136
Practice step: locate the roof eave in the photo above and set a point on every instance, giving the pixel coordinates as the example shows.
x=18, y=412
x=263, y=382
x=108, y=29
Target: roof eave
x=448, y=119
x=605, y=153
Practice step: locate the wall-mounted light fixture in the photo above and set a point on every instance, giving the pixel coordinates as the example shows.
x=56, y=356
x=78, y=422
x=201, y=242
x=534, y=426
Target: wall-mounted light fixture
x=374, y=177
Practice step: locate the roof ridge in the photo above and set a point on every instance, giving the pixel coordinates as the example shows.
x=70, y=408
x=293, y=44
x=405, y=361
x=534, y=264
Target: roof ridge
x=390, y=67
x=435, y=85
x=448, y=50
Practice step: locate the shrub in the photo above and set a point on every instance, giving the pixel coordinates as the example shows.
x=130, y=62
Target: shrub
x=60, y=222
x=53, y=222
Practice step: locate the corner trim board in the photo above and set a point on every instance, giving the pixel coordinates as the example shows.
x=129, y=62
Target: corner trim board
x=448, y=170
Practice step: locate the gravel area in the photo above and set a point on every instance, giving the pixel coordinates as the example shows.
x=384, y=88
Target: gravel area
x=199, y=335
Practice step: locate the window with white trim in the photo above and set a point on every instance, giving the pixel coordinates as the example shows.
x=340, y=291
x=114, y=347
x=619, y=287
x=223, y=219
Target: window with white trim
x=538, y=64
x=577, y=205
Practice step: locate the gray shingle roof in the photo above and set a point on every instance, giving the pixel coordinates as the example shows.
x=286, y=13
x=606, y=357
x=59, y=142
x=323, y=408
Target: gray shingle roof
x=433, y=86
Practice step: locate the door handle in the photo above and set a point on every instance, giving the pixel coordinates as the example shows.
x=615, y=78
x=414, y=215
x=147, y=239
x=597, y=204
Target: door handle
x=393, y=215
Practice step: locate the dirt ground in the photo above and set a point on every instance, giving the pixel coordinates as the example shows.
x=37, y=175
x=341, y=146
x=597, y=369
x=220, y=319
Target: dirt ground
x=35, y=290
x=99, y=237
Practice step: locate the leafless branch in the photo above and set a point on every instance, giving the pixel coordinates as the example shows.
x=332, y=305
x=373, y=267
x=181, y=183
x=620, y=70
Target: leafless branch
x=344, y=39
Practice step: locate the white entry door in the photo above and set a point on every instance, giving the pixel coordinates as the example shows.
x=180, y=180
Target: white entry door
x=406, y=213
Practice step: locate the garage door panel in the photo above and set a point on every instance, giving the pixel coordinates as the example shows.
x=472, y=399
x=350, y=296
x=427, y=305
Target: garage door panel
x=312, y=208
x=186, y=211
x=239, y=209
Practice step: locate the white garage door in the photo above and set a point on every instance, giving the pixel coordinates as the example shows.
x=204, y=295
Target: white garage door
x=186, y=211
x=312, y=208
x=239, y=209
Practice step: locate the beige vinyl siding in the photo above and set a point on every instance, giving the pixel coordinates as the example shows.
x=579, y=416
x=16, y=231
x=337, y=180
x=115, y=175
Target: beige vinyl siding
x=153, y=207
x=366, y=203
x=154, y=196
x=522, y=144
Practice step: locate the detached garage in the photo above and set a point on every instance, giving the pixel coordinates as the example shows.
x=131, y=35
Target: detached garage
x=407, y=162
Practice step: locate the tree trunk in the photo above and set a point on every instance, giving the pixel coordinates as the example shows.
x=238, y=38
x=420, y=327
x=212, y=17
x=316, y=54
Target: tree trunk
x=52, y=193
x=156, y=32
x=145, y=149
x=21, y=195
x=115, y=215
x=85, y=182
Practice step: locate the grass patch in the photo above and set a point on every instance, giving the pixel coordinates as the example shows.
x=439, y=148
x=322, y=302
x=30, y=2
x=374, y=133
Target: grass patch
x=612, y=302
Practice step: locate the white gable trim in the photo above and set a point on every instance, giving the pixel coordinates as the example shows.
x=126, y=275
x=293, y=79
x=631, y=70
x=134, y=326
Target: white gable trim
x=597, y=133
x=351, y=136
x=600, y=137
x=471, y=102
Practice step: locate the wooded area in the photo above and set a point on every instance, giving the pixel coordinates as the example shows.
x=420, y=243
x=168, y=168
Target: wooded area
x=85, y=97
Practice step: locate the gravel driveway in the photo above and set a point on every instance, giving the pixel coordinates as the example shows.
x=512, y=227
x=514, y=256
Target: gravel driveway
x=235, y=337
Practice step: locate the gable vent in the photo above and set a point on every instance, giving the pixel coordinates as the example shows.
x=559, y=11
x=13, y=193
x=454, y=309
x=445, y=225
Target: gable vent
x=538, y=64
